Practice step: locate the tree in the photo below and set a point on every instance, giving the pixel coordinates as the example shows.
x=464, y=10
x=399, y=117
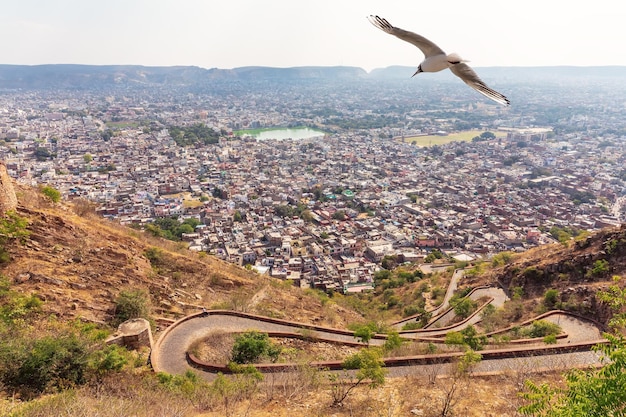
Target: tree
x=468, y=337
x=364, y=334
x=369, y=366
x=307, y=216
x=339, y=215
x=595, y=393
x=42, y=153
x=107, y=135
x=393, y=341
x=52, y=193
x=458, y=382
x=465, y=307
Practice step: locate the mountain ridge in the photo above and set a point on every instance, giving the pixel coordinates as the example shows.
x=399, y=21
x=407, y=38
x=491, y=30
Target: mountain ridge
x=79, y=76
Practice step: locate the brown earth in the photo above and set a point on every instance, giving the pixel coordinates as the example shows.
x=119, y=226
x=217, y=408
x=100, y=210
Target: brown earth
x=78, y=263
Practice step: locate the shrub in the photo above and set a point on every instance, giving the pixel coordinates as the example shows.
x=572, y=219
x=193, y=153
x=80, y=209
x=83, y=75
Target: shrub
x=131, y=304
x=600, y=268
x=502, y=258
x=153, y=254
x=393, y=341
x=111, y=358
x=542, y=328
x=52, y=193
x=250, y=346
x=34, y=366
x=412, y=325
x=15, y=306
x=13, y=226
x=364, y=333
x=467, y=337
x=550, y=298
x=465, y=307
x=412, y=310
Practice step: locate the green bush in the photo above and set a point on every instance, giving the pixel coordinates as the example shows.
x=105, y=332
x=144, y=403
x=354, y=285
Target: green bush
x=34, y=366
x=502, y=258
x=52, y=193
x=364, y=333
x=111, y=358
x=154, y=255
x=131, y=304
x=600, y=268
x=15, y=306
x=13, y=226
x=412, y=325
x=468, y=337
x=251, y=346
x=465, y=307
x=541, y=328
x=550, y=298
x=393, y=341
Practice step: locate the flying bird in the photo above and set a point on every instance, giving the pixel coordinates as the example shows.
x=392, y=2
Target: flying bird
x=435, y=59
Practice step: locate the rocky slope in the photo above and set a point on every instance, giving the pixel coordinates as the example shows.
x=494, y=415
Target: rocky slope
x=577, y=270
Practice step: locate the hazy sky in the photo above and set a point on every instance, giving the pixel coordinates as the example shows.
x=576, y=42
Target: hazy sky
x=286, y=33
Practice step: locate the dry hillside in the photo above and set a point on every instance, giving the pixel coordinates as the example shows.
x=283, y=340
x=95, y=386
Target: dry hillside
x=78, y=263
x=577, y=270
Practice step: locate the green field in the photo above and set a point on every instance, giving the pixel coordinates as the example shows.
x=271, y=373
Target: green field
x=431, y=140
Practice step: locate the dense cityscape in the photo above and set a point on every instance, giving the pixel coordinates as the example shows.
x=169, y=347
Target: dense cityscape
x=326, y=211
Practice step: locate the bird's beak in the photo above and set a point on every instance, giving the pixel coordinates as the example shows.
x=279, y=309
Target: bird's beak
x=419, y=69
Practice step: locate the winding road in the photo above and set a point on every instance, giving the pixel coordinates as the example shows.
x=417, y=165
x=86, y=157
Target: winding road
x=171, y=353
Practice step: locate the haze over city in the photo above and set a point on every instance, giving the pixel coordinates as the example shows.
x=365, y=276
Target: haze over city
x=235, y=33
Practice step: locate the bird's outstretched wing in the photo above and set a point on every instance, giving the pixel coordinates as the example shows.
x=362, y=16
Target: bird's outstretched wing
x=467, y=74
x=426, y=46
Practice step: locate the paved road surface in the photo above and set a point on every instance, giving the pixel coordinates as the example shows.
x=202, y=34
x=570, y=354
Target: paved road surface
x=169, y=353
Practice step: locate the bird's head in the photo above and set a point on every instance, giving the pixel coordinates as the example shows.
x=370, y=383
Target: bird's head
x=419, y=69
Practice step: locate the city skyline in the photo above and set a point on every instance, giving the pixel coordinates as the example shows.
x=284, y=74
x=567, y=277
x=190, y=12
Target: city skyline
x=284, y=34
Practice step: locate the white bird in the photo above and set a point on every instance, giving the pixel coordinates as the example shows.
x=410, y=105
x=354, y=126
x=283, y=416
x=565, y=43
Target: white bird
x=435, y=59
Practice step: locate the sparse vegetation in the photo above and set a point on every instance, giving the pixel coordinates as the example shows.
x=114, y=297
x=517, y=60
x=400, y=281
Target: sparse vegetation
x=588, y=392
x=369, y=367
x=52, y=193
x=12, y=227
x=172, y=229
x=467, y=338
x=550, y=298
x=131, y=304
x=502, y=258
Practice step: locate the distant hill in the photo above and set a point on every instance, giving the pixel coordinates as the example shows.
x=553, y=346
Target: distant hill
x=107, y=76
x=69, y=76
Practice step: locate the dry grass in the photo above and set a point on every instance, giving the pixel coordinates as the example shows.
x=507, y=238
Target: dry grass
x=302, y=392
